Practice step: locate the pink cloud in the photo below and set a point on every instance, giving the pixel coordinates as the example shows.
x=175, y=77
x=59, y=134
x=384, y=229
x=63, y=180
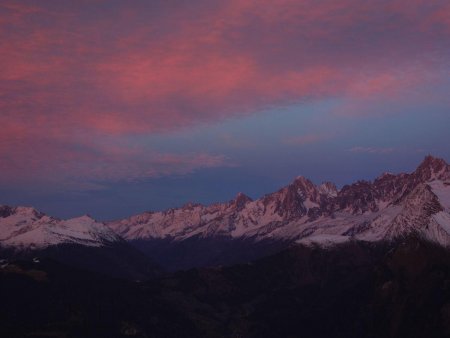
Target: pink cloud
x=72, y=77
x=63, y=163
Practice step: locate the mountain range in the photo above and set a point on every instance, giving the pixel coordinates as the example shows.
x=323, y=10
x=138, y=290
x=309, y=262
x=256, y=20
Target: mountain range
x=392, y=206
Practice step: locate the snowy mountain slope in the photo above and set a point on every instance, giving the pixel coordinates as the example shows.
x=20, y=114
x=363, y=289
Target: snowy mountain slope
x=239, y=217
x=25, y=227
x=389, y=207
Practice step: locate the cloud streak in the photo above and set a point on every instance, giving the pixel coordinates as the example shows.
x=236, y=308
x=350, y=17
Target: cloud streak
x=372, y=150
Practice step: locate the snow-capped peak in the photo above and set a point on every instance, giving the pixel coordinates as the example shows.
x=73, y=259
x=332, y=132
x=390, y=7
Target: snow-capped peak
x=25, y=227
x=21, y=211
x=241, y=200
x=433, y=168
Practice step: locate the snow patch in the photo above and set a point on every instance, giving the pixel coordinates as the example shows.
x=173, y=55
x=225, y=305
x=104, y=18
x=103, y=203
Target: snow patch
x=310, y=204
x=442, y=191
x=323, y=240
x=443, y=219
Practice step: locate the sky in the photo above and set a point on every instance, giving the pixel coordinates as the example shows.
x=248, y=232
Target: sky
x=111, y=108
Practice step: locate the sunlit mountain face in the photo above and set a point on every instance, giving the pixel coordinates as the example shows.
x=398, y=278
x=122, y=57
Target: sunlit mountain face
x=112, y=109
x=224, y=168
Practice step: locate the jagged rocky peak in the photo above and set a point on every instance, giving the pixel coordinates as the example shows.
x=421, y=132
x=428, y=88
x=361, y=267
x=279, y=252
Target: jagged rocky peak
x=304, y=188
x=384, y=177
x=433, y=168
x=303, y=182
x=241, y=200
x=289, y=201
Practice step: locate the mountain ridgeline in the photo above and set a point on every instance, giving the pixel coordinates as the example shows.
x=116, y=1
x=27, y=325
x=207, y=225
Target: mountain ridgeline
x=241, y=230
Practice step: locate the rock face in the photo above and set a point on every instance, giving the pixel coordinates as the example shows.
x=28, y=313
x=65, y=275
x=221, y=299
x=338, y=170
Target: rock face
x=389, y=207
